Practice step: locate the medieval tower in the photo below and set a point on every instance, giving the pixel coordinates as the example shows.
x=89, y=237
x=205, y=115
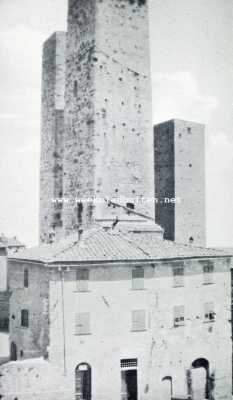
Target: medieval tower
x=52, y=132
x=180, y=176
x=108, y=146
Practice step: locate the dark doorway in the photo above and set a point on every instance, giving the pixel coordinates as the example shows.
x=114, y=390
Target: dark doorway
x=129, y=385
x=83, y=382
x=202, y=363
x=13, y=352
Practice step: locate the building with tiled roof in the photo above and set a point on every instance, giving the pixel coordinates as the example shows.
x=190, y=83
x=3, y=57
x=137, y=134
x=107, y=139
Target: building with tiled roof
x=113, y=299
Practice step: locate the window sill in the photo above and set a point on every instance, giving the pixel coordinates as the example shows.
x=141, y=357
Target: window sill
x=82, y=291
x=209, y=321
x=178, y=286
x=138, y=330
x=208, y=283
x=138, y=290
x=178, y=326
x=82, y=334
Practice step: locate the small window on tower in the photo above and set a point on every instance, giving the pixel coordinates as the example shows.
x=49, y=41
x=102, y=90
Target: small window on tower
x=75, y=88
x=80, y=213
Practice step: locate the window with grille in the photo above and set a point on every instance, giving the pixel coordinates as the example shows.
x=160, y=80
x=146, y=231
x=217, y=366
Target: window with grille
x=25, y=278
x=82, y=280
x=178, y=316
x=208, y=273
x=24, y=318
x=138, y=278
x=138, y=320
x=178, y=276
x=82, y=324
x=129, y=363
x=209, y=314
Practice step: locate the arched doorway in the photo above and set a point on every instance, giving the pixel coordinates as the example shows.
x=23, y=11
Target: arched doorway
x=167, y=387
x=83, y=382
x=200, y=379
x=13, y=352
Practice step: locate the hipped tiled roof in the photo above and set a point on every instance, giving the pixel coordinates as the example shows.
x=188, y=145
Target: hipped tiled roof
x=99, y=245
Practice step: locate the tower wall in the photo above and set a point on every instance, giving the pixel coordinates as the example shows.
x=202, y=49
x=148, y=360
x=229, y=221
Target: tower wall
x=52, y=132
x=180, y=175
x=108, y=143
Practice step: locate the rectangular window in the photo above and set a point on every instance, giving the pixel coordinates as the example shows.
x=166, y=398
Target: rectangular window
x=208, y=272
x=178, y=276
x=209, y=314
x=138, y=278
x=24, y=318
x=178, y=316
x=75, y=88
x=25, y=278
x=82, y=323
x=138, y=320
x=82, y=280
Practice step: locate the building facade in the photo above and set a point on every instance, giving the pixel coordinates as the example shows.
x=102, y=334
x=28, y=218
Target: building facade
x=179, y=157
x=165, y=334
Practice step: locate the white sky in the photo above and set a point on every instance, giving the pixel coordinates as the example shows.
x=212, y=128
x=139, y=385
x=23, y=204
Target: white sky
x=191, y=47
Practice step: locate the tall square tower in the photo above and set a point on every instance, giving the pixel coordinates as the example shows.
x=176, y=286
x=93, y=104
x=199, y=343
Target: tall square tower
x=108, y=149
x=52, y=133
x=179, y=154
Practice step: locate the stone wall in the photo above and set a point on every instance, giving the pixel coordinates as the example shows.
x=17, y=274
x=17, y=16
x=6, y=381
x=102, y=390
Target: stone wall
x=180, y=174
x=161, y=349
x=108, y=142
x=31, y=341
x=52, y=127
x=33, y=379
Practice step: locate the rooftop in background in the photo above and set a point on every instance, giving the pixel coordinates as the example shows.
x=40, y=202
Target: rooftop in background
x=122, y=243
x=10, y=243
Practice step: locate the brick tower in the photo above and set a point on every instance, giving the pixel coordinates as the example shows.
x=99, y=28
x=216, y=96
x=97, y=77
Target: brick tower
x=52, y=131
x=180, y=173
x=108, y=125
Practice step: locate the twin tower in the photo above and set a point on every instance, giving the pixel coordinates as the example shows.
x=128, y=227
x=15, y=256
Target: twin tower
x=97, y=137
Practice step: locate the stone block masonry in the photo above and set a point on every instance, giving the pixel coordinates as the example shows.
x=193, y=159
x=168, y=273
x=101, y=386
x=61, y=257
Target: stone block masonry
x=52, y=132
x=180, y=174
x=108, y=149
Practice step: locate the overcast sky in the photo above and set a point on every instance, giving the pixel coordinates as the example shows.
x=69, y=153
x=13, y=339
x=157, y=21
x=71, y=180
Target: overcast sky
x=191, y=47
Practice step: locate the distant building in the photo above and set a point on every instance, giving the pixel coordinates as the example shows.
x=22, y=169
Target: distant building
x=120, y=314
x=180, y=180
x=7, y=246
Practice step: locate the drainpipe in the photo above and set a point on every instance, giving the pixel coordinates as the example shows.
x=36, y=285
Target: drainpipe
x=63, y=319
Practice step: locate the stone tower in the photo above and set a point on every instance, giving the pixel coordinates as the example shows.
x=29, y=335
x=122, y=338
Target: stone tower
x=180, y=174
x=52, y=132
x=108, y=150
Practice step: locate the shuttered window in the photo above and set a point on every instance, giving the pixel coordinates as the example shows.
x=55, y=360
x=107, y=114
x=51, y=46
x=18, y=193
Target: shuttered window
x=82, y=324
x=208, y=274
x=178, y=316
x=82, y=280
x=138, y=320
x=178, y=276
x=138, y=278
x=209, y=314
